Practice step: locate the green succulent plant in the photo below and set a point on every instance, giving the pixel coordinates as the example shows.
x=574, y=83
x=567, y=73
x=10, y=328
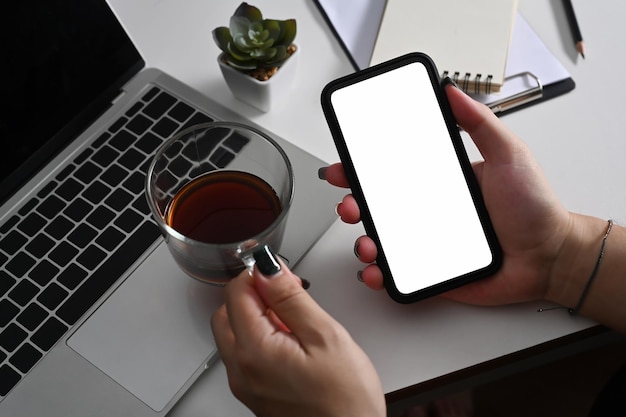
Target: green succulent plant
x=251, y=42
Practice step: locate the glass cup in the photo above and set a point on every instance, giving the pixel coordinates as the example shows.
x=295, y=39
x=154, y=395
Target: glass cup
x=218, y=191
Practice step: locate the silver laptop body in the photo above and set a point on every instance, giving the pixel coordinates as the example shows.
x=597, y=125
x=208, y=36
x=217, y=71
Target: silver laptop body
x=147, y=336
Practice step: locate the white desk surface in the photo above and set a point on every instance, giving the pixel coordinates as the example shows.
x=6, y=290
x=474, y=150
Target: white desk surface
x=578, y=138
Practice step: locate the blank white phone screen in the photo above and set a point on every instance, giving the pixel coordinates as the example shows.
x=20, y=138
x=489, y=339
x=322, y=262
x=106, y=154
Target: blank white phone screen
x=411, y=179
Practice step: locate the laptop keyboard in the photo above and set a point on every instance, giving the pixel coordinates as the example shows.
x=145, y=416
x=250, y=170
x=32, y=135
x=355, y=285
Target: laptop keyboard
x=71, y=242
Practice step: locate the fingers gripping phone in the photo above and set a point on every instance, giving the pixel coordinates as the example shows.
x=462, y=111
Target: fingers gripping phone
x=410, y=175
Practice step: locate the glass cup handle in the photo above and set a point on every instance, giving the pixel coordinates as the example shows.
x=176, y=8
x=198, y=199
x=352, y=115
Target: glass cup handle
x=245, y=252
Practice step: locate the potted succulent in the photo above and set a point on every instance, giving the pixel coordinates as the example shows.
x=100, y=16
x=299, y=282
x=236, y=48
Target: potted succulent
x=258, y=55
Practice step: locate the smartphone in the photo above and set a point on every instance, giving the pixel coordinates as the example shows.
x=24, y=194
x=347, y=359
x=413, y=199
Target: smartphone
x=411, y=177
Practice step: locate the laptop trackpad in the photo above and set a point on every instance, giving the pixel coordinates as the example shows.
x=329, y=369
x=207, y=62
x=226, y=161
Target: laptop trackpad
x=154, y=347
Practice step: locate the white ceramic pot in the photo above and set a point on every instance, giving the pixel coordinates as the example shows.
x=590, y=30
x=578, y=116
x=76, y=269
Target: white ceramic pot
x=261, y=94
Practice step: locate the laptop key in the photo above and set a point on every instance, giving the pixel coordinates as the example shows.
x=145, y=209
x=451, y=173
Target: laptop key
x=23, y=292
x=47, y=189
x=128, y=220
x=159, y=105
x=82, y=235
x=43, y=273
x=196, y=119
x=96, y=192
x=6, y=282
x=84, y=155
x=150, y=94
x=49, y=333
x=12, y=242
x=100, y=217
x=181, y=112
x=72, y=276
x=134, y=109
x=101, y=140
x=28, y=207
x=39, y=246
x=149, y=143
x=119, y=123
x=8, y=379
x=131, y=159
x=20, y=264
x=91, y=257
x=114, y=175
x=69, y=189
x=118, y=200
x=236, y=142
x=201, y=150
x=108, y=273
x=78, y=210
x=105, y=156
x=165, y=127
x=51, y=206
x=61, y=176
x=32, y=224
x=32, y=316
x=88, y=172
x=135, y=183
x=139, y=124
x=122, y=140
x=110, y=238
x=180, y=167
x=8, y=310
x=141, y=205
x=25, y=357
x=11, y=337
x=63, y=254
x=222, y=157
x=59, y=227
x=52, y=296
x=6, y=227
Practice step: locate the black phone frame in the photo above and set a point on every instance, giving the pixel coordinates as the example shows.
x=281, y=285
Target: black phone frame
x=462, y=157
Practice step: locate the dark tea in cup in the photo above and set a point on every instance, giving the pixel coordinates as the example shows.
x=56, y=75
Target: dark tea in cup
x=223, y=207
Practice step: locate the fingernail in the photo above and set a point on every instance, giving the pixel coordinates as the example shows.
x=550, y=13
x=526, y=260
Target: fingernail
x=359, y=276
x=337, y=209
x=321, y=173
x=356, y=249
x=266, y=261
x=447, y=80
x=306, y=284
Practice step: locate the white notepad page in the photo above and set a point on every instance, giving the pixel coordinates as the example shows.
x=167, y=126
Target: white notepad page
x=460, y=36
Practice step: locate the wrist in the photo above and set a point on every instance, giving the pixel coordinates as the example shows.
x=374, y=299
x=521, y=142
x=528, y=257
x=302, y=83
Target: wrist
x=576, y=260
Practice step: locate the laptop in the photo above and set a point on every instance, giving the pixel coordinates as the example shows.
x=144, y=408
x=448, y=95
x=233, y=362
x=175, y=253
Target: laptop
x=95, y=317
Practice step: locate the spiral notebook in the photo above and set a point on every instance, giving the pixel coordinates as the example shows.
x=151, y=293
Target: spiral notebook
x=467, y=40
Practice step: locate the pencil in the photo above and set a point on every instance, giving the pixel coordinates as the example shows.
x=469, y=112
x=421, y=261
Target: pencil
x=573, y=24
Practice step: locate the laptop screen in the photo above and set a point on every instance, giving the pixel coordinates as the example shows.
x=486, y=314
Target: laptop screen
x=62, y=63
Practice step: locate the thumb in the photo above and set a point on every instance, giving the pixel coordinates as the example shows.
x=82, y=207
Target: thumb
x=282, y=291
x=494, y=140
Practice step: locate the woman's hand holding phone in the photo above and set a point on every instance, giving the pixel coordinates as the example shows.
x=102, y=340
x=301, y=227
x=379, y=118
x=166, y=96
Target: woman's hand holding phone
x=411, y=178
x=529, y=220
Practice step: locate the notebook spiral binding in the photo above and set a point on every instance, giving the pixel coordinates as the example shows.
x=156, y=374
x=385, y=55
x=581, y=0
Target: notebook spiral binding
x=475, y=85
